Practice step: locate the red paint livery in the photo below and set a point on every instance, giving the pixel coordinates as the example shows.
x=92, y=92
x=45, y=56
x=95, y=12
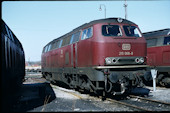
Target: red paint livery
x=159, y=56
x=158, y=53
x=93, y=49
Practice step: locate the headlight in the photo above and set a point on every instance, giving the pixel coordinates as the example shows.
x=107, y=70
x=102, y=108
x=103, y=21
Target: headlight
x=108, y=60
x=142, y=60
x=114, y=60
x=137, y=60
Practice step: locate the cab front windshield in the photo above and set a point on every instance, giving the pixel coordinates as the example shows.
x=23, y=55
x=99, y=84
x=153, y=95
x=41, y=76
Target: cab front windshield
x=116, y=31
x=111, y=30
x=132, y=31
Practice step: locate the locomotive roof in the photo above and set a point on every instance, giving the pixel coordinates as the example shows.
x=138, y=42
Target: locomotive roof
x=107, y=20
x=157, y=33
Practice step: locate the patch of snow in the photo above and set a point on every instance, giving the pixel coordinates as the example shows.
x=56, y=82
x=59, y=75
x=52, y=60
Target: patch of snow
x=68, y=93
x=62, y=94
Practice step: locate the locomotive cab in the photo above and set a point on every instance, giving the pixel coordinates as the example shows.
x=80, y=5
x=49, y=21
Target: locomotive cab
x=120, y=52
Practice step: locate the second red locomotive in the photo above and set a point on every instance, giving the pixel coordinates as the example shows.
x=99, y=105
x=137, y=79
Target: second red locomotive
x=106, y=56
x=158, y=53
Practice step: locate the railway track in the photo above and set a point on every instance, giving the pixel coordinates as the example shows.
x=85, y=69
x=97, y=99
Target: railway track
x=34, y=78
x=144, y=104
x=134, y=107
x=147, y=104
x=134, y=102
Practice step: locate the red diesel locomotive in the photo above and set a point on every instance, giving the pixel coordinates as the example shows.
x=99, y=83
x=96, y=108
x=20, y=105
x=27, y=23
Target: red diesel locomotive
x=103, y=56
x=158, y=53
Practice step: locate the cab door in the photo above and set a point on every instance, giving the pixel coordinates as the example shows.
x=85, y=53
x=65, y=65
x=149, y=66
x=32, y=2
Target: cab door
x=74, y=41
x=74, y=55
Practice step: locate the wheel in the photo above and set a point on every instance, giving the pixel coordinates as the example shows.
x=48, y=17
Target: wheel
x=165, y=82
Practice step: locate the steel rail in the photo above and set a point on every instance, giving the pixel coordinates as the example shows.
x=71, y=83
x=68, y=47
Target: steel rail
x=129, y=105
x=151, y=100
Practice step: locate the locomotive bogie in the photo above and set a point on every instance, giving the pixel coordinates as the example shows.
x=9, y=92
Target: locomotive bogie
x=94, y=79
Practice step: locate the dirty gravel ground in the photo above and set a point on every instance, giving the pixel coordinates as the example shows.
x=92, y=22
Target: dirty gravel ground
x=38, y=95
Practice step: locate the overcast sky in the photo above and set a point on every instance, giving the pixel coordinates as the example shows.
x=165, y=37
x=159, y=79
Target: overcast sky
x=35, y=23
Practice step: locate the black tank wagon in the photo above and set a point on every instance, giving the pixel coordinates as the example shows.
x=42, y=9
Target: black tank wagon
x=12, y=66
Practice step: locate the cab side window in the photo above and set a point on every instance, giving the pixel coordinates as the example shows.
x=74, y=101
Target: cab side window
x=75, y=37
x=87, y=33
x=46, y=48
x=49, y=47
x=66, y=41
x=167, y=40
